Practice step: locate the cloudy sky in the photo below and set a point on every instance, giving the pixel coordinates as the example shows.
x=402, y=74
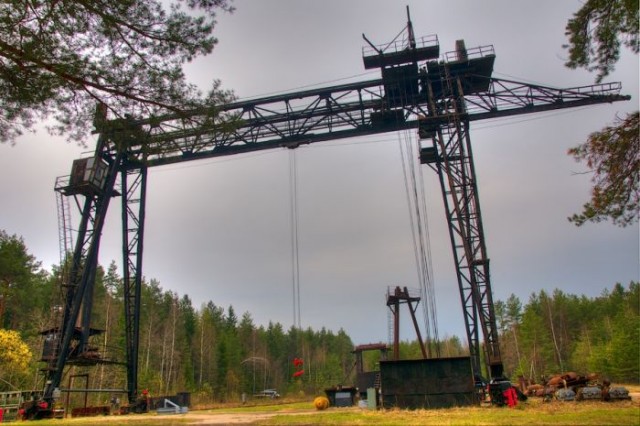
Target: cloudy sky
x=219, y=229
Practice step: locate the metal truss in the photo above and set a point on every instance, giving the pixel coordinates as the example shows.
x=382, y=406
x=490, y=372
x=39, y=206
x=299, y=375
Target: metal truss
x=332, y=113
x=134, y=189
x=81, y=278
x=451, y=156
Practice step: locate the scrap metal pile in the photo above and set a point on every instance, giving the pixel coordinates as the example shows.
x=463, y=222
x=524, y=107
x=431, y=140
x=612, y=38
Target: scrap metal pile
x=571, y=386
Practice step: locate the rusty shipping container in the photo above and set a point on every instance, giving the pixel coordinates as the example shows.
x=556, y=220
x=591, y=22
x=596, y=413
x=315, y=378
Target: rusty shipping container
x=427, y=383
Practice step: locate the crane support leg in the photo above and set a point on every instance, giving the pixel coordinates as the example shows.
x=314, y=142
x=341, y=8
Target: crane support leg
x=82, y=275
x=134, y=187
x=451, y=153
x=458, y=183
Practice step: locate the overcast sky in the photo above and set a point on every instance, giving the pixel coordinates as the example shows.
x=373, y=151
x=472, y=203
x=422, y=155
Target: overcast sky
x=219, y=229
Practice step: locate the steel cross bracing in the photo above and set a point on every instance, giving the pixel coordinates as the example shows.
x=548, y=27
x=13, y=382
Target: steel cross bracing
x=81, y=278
x=134, y=188
x=332, y=113
x=130, y=146
x=450, y=154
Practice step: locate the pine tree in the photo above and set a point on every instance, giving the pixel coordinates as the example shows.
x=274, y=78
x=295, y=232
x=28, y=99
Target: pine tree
x=60, y=58
x=596, y=32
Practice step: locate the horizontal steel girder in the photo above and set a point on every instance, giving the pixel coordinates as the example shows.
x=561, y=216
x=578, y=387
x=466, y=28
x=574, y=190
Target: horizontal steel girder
x=323, y=114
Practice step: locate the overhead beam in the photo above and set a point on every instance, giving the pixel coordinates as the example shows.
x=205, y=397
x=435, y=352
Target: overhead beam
x=331, y=113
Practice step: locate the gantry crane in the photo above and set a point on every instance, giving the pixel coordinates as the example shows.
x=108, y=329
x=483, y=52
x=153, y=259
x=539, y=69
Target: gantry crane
x=437, y=95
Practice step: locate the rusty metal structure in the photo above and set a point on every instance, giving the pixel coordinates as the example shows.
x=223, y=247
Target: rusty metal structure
x=439, y=96
x=368, y=379
x=396, y=298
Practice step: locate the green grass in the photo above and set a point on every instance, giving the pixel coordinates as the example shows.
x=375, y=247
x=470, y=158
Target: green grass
x=554, y=413
x=303, y=413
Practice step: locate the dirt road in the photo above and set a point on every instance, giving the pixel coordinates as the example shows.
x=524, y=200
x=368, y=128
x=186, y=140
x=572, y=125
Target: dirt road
x=209, y=417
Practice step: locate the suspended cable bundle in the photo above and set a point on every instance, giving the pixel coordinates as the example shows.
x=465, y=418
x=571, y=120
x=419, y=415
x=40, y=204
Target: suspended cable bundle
x=295, y=263
x=298, y=363
x=418, y=219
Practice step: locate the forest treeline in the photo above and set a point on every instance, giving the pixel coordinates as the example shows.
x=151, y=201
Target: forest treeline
x=558, y=332
x=217, y=354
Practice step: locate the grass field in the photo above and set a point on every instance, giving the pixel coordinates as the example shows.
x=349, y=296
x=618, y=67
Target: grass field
x=533, y=412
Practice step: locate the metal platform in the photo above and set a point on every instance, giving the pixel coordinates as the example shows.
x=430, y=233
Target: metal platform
x=400, y=52
x=474, y=66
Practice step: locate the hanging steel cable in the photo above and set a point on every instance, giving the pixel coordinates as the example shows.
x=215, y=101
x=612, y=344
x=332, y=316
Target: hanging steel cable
x=416, y=201
x=430, y=292
x=295, y=263
x=298, y=363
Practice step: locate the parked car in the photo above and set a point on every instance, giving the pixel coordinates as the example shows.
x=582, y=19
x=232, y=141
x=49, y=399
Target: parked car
x=268, y=393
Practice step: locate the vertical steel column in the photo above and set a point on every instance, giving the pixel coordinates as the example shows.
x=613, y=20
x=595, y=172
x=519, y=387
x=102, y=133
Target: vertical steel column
x=459, y=242
x=454, y=163
x=134, y=188
x=359, y=362
x=394, y=300
x=83, y=268
x=395, y=310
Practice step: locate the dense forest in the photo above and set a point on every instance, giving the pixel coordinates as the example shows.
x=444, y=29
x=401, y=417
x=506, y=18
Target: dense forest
x=217, y=354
